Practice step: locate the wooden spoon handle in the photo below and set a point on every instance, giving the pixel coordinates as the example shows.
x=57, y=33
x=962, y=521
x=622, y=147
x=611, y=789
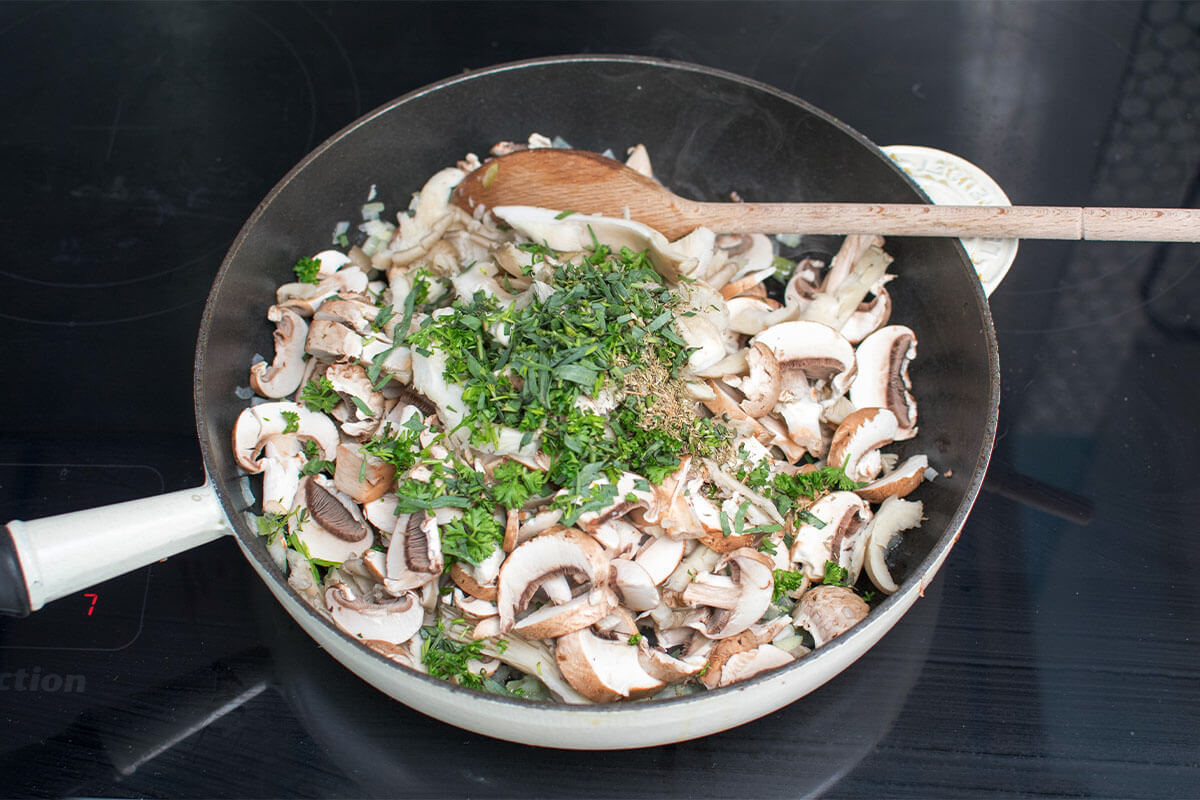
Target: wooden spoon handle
x=996, y=222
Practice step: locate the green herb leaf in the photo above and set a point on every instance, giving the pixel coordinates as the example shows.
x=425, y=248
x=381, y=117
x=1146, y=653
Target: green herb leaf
x=306, y=270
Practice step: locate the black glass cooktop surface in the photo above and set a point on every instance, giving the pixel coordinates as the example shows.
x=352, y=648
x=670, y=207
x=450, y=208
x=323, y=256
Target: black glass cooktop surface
x=1055, y=654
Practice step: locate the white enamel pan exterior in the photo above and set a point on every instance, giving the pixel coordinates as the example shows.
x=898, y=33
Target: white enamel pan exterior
x=692, y=118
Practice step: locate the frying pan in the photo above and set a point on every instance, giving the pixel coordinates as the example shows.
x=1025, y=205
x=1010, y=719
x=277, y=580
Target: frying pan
x=709, y=133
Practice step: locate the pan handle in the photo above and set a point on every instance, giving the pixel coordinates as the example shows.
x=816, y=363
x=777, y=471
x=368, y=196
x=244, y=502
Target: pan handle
x=49, y=558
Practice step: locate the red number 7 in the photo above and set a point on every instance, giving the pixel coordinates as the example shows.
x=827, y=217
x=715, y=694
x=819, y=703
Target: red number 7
x=94, y=597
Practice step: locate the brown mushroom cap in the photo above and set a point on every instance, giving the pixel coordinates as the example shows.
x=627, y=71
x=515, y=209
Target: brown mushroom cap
x=553, y=621
x=861, y=432
x=812, y=348
x=284, y=374
x=900, y=482
x=883, y=381
x=554, y=553
x=764, y=383
x=602, y=670
x=827, y=612
x=395, y=621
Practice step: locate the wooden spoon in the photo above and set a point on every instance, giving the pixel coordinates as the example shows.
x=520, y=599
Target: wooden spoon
x=590, y=183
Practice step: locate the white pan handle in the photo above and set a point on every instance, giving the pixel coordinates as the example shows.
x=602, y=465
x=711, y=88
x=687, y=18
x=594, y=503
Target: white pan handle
x=49, y=558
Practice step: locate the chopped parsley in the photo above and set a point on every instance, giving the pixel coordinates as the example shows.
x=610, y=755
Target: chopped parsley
x=606, y=330
x=319, y=395
x=292, y=420
x=306, y=270
x=473, y=537
x=785, y=581
x=835, y=575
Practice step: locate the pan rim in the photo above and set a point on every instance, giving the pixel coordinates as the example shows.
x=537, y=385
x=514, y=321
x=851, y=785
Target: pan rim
x=923, y=572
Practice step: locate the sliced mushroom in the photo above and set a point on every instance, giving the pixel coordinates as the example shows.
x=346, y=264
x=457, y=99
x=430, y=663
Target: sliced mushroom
x=415, y=235
x=551, y=622
x=257, y=424
x=395, y=621
x=284, y=374
x=660, y=557
x=870, y=316
x=414, y=555
x=748, y=640
x=816, y=351
x=561, y=552
x=306, y=298
x=330, y=341
x=827, y=612
x=883, y=359
x=844, y=515
x=603, y=670
x=748, y=663
x=635, y=586
x=862, y=432
x=764, y=383
x=467, y=582
x=737, y=601
x=894, y=516
x=898, y=483
x=363, y=477
x=638, y=160
x=473, y=606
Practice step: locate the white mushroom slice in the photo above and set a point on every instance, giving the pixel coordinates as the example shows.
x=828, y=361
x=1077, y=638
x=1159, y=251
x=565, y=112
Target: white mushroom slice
x=330, y=341
x=870, y=316
x=562, y=552
x=603, y=670
x=351, y=381
x=363, y=477
x=414, y=555
x=746, y=283
x=834, y=307
x=748, y=663
x=432, y=215
x=333, y=528
x=538, y=523
x=739, y=600
x=634, y=585
x=804, y=285
x=306, y=298
x=638, y=160
x=574, y=233
x=817, y=351
x=883, y=359
x=751, y=315
x=331, y=261
x=531, y=658
x=754, y=252
x=723, y=404
x=473, y=606
x=284, y=374
x=354, y=314
x=862, y=432
x=558, y=589
x=898, y=483
x=894, y=516
x=763, y=385
x=396, y=653
x=257, y=423
x=469, y=583
x=827, y=612
x=281, y=464
x=395, y=621
x=733, y=364
x=662, y=665
x=706, y=340
x=853, y=248
x=803, y=419
x=551, y=622
x=752, y=637
x=381, y=512
x=619, y=537
x=844, y=515
x=660, y=557
x=481, y=277
x=780, y=437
